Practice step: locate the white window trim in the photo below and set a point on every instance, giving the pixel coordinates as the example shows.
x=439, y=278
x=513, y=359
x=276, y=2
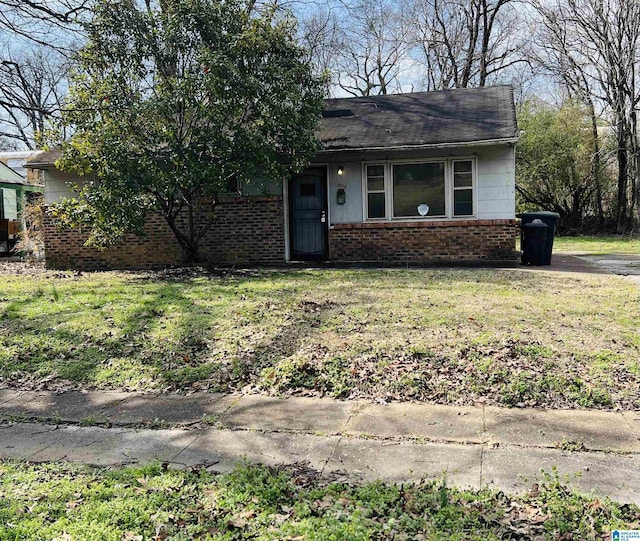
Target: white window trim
x=448, y=182
x=365, y=188
x=473, y=188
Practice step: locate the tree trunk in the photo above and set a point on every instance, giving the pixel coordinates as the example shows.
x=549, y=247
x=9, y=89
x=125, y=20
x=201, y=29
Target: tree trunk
x=621, y=207
x=189, y=244
x=635, y=206
x=595, y=164
x=191, y=253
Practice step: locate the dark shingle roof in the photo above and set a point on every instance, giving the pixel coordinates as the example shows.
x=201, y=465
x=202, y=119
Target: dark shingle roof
x=419, y=119
x=446, y=117
x=44, y=159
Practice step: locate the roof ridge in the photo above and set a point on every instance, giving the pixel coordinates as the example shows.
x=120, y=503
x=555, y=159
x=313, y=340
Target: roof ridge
x=478, y=89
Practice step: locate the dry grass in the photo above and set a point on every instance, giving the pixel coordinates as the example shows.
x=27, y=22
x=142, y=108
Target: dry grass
x=448, y=336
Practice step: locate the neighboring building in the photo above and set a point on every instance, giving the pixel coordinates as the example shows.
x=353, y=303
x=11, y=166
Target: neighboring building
x=15, y=190
x=17, y=160
x=418, y=178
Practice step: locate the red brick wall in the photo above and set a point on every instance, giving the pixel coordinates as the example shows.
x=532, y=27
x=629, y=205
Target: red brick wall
x=246, y=230
x=424, y=242
x=64, y=249
x=250, y=231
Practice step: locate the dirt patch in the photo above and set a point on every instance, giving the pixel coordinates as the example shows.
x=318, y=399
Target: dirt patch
x=12, y=267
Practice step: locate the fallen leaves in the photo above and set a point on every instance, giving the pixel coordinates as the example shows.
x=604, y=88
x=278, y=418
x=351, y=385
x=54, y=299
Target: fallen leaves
x=454, y=337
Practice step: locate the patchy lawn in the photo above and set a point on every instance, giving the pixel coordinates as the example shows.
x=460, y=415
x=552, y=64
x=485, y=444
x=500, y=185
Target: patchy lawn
x=68, y=502
x=507, y=337
x=597, y=245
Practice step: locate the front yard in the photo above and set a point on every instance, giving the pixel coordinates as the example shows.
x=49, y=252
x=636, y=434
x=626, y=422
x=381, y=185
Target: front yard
x=506, y=337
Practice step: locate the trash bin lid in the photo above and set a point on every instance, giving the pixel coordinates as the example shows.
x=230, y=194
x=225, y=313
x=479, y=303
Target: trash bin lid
x=534, y=225
x=538, y=214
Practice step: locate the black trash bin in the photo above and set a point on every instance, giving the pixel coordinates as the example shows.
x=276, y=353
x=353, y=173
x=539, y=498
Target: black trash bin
x=551, y=221
x=534, y=238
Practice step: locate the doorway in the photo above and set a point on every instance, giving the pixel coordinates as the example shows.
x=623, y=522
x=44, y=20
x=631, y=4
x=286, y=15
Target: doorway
x=308, y=215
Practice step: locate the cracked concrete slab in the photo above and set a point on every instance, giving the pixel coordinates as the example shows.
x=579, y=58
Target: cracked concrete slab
x=509, y=468
x=227, y=448
x=23, y=440
x=69, y=406
x=406, y=461
x=91, y=445
x=621, y=264
x=515, y=469
x=633, y=420
x=313, y=415
x=597, y=430
x=437, y=423
x=172, y=409
x=102, y=446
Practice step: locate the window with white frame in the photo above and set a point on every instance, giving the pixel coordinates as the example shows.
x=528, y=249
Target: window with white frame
x=417, y=186
x=463, y=188
x=421, y=189
x=376, y=198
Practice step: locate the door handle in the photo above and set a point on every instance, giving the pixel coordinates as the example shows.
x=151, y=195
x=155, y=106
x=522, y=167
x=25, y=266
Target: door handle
x=323, y=216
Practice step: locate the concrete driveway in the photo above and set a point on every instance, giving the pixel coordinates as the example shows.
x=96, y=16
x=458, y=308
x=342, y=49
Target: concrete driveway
x=622, y=264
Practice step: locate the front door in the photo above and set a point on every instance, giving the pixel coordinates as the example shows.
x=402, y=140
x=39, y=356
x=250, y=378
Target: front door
x=308, y=215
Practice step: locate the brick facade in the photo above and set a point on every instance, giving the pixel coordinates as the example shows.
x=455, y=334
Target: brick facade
x=429, y=242
x=246, y=231
x=65, y=249
x=250, y=231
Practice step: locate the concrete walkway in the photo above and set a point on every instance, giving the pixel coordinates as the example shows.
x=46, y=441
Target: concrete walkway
x=474, y=446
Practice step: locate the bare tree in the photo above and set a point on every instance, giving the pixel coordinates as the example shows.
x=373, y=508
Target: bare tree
x=372, y=43
x=593, y=48
x=466, y=42
x=43, y=21
x=32, y=89
x=551, y=49
x=319, y=35
x=37, y=38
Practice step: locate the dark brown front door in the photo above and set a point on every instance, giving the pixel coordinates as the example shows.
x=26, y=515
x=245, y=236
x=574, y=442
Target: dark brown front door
x=308, y=215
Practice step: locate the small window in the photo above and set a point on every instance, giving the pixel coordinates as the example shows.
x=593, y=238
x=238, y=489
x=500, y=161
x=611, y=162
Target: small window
x=463, y=188
x=308, y=190
x=376, y=201
x=418, y=186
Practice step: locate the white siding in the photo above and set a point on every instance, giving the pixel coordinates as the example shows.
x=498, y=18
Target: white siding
x=495, y=181
x=58, y=185
x=351, y=180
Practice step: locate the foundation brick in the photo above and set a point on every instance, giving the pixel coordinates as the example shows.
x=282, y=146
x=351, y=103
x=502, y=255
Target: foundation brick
x=460, y=241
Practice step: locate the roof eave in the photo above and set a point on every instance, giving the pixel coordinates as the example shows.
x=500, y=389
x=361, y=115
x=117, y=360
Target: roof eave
x=430, y=146
x=40, y=165
x=7, y=182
